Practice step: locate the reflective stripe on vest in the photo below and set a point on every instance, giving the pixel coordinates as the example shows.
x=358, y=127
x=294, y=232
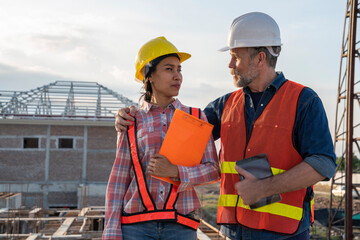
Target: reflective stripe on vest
x=151, y=213
x=229, y=167
x=149, y=216
x=186, y=221
x=140, y=176
x=280, y=209
x=312, y=206
x=271, y=130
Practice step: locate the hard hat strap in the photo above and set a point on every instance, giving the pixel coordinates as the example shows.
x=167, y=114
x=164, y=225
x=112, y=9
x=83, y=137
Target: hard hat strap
x=150, y=66
x=147, y=70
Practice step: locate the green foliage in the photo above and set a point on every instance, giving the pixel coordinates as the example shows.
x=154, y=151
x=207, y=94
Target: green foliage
x=320, y=232
x=209, y=207
x=356, y=164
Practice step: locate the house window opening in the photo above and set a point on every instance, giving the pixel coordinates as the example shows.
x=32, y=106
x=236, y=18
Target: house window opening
x=31, y=142
x=66, y=143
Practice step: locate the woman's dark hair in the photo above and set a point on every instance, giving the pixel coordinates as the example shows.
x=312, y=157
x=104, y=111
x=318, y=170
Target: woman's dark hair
x=148, y=91
x=149, y=69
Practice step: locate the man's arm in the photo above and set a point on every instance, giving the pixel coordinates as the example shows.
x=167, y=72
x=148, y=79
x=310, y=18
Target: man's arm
x=312, y=140
x=213, y=112
x=252, y=189
x=312, y=136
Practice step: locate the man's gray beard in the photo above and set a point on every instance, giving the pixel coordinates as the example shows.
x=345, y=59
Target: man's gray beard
x=243, y=82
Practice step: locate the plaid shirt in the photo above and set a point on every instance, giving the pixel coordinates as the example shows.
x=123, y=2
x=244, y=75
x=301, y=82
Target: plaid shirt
x=122, y=193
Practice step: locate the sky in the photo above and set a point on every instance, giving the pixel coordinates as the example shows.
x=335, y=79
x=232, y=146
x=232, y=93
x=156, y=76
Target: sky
x=42, y=41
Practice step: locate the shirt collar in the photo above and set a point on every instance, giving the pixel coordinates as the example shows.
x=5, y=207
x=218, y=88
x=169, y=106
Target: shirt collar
x=275, y=84
x=278, y=81
x=146, y=106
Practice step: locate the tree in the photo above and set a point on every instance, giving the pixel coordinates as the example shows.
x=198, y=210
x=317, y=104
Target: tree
x=356, y=163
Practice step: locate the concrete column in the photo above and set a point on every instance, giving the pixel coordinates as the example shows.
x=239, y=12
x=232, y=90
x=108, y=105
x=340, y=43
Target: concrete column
x=47, y=168
x=82, y=187
x=84, y=163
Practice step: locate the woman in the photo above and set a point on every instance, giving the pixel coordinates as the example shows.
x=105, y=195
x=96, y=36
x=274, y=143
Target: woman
x=139, y=206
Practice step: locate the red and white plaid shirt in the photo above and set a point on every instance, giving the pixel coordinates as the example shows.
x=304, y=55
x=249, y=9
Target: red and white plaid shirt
x=122, y=193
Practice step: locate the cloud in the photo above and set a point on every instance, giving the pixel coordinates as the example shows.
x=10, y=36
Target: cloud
x=21, y=79
x=15, y=79
x=201, y=94
x=120, y=75
x=43, y=41
x=53, y=43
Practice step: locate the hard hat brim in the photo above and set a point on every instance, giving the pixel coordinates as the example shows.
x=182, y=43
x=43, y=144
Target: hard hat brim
x=224, y=49
x=182, y=55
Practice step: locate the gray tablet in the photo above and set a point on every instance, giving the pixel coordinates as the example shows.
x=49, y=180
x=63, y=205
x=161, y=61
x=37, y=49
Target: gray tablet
x=259, y=167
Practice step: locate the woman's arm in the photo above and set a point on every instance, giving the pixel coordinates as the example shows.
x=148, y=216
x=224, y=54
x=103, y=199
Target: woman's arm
x=118, y=184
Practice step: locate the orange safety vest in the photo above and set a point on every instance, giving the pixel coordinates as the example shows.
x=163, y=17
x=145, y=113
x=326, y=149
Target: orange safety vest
x=151, y=213
x=272, y=134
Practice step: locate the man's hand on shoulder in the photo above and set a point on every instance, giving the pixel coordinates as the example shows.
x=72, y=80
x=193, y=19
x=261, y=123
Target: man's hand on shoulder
x=122, y=116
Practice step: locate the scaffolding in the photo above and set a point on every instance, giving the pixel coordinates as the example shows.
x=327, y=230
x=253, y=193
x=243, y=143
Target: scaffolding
x=38, y=223
x=347, y=134
x=63, y=99
x=86, y=224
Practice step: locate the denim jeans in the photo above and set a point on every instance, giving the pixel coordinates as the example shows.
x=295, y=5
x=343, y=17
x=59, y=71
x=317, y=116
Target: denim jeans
x=236, y=232
x=157, y=231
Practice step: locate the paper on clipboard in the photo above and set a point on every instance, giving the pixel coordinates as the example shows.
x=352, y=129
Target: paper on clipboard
x=185, y=141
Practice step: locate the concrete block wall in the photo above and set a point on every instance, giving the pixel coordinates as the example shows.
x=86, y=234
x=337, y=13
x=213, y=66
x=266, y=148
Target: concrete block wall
x=56, y=173
x=101, y=138
x=65, y=165
x=22, y=166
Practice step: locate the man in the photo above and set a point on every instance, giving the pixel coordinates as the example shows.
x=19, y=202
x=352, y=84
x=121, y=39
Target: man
x=268, y=114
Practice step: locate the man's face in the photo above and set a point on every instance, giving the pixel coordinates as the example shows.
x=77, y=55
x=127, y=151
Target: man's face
x=242, y=67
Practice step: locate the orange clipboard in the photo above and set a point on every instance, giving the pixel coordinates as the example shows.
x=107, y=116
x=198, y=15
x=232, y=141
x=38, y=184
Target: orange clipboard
x=185, y=141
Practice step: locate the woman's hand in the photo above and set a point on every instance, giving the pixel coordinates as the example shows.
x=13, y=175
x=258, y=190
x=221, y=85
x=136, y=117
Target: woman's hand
x=160, y=166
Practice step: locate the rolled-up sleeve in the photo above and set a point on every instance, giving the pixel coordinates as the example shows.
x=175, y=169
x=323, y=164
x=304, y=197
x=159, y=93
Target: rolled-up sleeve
x=208, y=171
x=118, y=183
x=319, y=161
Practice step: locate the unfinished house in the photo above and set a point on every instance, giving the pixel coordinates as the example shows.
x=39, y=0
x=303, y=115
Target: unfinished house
x=57, y=147
x=58, y=143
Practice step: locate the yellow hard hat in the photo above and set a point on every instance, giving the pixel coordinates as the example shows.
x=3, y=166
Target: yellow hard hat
x=153, y=49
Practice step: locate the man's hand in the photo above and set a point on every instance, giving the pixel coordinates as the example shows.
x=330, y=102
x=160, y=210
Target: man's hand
x=298, y=177
x=249, y=189
x=160, y=166
x=122, y=116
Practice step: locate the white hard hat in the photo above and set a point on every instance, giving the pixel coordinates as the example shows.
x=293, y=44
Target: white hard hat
x=253, y=29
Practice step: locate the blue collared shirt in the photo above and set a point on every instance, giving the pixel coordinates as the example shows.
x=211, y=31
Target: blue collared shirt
x=312, y=137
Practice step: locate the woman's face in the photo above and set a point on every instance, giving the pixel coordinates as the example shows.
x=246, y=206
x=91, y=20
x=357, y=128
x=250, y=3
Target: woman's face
x=167, y=78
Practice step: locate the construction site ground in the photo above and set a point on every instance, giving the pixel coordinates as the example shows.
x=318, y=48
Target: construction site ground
x=87, y=223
